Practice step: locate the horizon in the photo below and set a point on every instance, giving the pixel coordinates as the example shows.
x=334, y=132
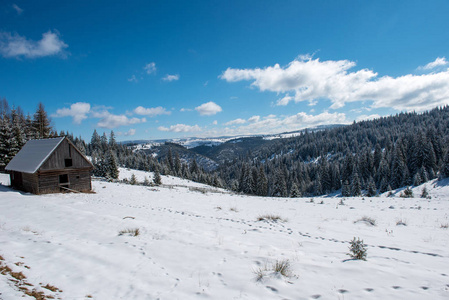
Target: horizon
x=176, y=69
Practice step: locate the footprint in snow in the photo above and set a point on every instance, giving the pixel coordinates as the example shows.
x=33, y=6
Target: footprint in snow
x=316, y=296
x=272, y=289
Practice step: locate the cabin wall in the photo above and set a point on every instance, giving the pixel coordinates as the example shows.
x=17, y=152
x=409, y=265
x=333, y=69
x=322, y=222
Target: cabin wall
x=29, y=183
x=64, y=151
x=78, y=180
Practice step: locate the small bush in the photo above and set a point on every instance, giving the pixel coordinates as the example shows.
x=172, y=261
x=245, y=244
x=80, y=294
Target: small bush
x=133, y=180
x=279, y=267
x=408, y=193
x=401, y=223
x=271, y=218
x=357, y=250
x=424, y=192
x=367, y=220
x=129, y=231
x=445, y=226
x=234, y=209
x=283, y=267
x=341, y=202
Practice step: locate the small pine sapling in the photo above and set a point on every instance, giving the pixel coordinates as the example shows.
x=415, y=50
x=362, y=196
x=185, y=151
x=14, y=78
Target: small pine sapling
x=357, y=249
x=424, y=192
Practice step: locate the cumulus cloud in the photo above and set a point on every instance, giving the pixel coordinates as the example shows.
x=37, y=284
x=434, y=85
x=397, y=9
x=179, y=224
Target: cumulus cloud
x=110, y=121
x=367, y=117
x=150, y=68
x=14, y=45
x=180, y=128
x=17, y=9
x=254, y=119
x=169, y=77
x=440, y=61
x=276, y=124
x=208, y=109
x=285, y=100
x=133, y=79
x=311, y=80
x=235, y=122
x=151, y=112
x=130, y=132
x=78, y=111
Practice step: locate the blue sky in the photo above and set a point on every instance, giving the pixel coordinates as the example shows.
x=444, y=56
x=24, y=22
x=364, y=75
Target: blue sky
x=167, y=69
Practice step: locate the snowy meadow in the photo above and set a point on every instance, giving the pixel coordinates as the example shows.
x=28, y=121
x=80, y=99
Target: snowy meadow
x=184, y=240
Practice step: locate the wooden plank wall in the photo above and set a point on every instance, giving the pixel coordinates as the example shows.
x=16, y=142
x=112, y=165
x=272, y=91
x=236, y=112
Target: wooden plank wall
x=64, y=151
x=79, y=180
x=30, y=183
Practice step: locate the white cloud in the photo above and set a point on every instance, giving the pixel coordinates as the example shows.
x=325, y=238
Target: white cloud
x=235, y=122
x=208, y=109
x=440, y=61
x=169, y=77
x=130, y=132
x=16, y=45
x=215, y=122
x=254, y=119
x=274, y=124
x=133, y=79
x=180, y=128
x=110, y=121
x=311, y=80
x=78, y=111
x=367, y=117
x=285, y=100
x=150, y=68
x=17, y=9
x=185, y=109
x=151, y=112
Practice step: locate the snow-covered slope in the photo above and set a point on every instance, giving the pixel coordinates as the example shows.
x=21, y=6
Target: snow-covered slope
x=197, y=244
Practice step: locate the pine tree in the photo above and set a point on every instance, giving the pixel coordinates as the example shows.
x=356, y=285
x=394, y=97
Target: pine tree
x=294, y=191
x=356, y=187
x=133, y=179
x=41, y=123
x=280, y=186
x=157, y=180
x=95, y=143
x=112, y=141
x=112, y=168
x=371, y=188
x=444, y=171
x=262, y=184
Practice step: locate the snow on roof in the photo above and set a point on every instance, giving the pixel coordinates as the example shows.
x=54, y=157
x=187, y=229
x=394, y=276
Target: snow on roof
x=35, y=152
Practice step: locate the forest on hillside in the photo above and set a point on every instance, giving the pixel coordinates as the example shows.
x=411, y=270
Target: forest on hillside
x=365, y=158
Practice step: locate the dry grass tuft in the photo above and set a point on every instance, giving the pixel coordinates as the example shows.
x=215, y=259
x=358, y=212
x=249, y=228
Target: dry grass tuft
x=130, y=232
x=271, y=218
x=366, y=220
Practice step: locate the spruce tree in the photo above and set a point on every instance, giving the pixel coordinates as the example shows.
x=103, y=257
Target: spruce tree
x=41, y=123
x=157, y=180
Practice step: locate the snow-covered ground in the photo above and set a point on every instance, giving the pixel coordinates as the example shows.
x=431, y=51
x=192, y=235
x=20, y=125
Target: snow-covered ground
x=198, y=244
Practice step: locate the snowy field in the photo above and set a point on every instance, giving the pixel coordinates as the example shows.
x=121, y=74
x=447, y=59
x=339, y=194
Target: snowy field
x=196, y=242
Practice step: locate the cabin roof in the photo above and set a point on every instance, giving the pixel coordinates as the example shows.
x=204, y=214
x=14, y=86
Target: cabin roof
x=31, y=157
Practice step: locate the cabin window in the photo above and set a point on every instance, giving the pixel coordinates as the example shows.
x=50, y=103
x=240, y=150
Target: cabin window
x=64, y=178
x=68, y=162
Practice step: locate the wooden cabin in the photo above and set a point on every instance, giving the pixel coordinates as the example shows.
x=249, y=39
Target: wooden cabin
x=50, y=166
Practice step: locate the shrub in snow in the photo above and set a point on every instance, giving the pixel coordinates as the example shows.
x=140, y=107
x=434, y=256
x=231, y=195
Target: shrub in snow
x=367, y=220
x=277, y=269
x=272, y=218
x=133, y=179
x=401, y=223
x=157, y=180
x=424, y=193
x=445, y=226
x=357, y=250
x=408, y=193
x=129, y=231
